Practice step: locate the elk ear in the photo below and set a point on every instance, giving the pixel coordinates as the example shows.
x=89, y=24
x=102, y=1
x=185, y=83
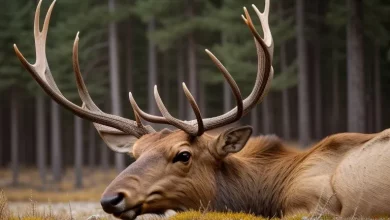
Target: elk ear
x=232, y=140
x=116, y=140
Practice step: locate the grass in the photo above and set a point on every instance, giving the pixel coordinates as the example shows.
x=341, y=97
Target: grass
x=30, y=186
x=3, y=206
x=29, y=200
x=32, y=214
x=196, y=215
x=34, y=197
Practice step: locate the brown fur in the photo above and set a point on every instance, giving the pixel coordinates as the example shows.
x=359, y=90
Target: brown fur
x=266, y=177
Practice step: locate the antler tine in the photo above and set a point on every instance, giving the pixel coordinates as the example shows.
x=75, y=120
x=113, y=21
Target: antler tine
x=40, y=46
x=136, y=114
x=264, y=53
x=144, y=115
x=82, y=89
x=40, y=71
x=233, y=85
x=167, y=117
x=267, y=40
x=138, y=120
x=263, y=79
x=196, y=110
x=265, y=25
x=190, y=129
x=88, y=103
x=36, y=19
x=46, y=22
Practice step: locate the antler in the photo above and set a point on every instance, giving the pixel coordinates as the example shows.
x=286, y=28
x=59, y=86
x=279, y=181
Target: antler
x=264, y=77
x=42, y=74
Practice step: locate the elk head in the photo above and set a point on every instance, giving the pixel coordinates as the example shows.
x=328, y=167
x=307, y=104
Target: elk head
x=173, y=169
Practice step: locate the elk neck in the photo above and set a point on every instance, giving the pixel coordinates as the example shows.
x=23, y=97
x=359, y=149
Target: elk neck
x=255, y=180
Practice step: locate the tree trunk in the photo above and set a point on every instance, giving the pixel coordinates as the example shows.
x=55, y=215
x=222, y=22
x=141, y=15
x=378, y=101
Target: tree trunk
x=336, y=94
x=165, y=78
x=201, y=95
x=318, y=93
x=285, y=97
x=227, y=97
x=28, y=145
x=255, y=121
x=1, y=135
x=320, y=8
x=303, y=84
x=15, y=137
x=317, y=85
x=180, y=80
x=286, y=114
x=114, y=79
x=378, y=87
x=369, y=99
x=91, y=147
x=355, y=67
x=56, y=158
x=104, y=152
x=267, y=114
x=41, y=134
x=129, y=56
x=78, y=153
x=152, y=68
x=104, y=156
x=193, y=77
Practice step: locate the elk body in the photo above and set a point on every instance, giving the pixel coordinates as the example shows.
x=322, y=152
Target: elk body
x=345, y=174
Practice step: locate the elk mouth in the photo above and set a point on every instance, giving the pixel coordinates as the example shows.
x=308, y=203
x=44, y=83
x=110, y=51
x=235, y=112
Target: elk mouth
x=129, y=214
x=148, y=206
x=133, y=213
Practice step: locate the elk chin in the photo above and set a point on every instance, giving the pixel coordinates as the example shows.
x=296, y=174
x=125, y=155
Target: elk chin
x=156, y=202
x=161, y=208
x=129, y=214
x=154, y=208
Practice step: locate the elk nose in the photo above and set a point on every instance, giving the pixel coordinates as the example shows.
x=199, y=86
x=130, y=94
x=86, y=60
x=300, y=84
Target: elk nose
x=113, y=204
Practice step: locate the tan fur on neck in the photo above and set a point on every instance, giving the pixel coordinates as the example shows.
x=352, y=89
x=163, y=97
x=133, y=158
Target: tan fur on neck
x=259, y=179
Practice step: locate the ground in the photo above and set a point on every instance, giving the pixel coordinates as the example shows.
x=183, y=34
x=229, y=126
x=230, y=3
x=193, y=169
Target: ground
x=31, y=201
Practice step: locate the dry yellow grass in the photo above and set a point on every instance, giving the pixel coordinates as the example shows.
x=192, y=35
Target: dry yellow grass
x=214, y=216
x=31, y=213
x=30, y=186
x=3, y=206
x=30, y=191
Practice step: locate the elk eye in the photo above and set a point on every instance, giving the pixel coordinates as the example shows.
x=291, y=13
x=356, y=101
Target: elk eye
x=183, y=156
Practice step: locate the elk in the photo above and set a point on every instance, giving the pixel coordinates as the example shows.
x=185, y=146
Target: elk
x=345, y=174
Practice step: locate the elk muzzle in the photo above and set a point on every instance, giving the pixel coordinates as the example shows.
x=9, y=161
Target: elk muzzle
x=126, y=196
x=116, y=205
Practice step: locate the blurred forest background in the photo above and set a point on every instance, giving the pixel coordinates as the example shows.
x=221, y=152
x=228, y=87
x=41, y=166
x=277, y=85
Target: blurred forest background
x=332, y=62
